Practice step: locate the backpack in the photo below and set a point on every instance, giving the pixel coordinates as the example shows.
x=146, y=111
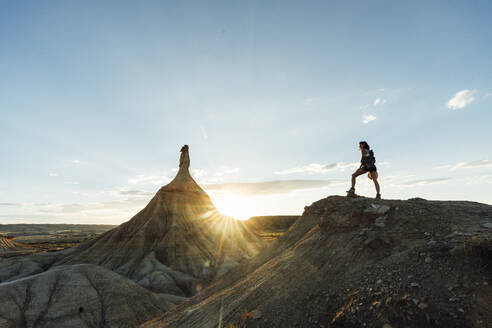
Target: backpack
x=369, y=160
x=372, y=158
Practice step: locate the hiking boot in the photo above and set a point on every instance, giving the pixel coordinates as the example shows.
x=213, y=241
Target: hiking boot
x=378, y=196
x=351, y=193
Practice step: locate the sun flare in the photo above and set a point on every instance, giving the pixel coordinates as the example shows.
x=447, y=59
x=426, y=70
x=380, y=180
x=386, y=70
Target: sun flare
x=235, y=206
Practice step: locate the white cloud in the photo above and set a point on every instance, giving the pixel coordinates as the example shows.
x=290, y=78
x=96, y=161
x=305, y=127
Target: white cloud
x=395, y=178
x=224, y=170
x=363, y=107
x=368, y=118
x=474, y=164
x=318, y=168
x=271, y=187
x=480, y=179
x=71, y=182
x=311, y=100
x=125, y=192
x=75, y=161
x=204, y=133
x=423, y=182
x=143, y=179
x=379, y=101
x=52, y=174
x=461, y=99
x=198, y=173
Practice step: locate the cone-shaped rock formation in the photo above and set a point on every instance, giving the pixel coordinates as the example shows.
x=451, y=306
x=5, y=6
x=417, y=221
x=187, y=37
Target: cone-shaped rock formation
x=176, y=244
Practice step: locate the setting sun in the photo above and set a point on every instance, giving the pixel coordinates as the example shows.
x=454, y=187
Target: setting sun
x=235, y=206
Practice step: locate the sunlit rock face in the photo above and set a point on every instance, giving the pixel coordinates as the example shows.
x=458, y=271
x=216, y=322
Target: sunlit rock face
x=176, y=244
x=9, y=248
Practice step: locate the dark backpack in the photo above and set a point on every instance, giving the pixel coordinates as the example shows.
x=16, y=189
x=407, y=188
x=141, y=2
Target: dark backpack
x=369, y=160
x=372, y=158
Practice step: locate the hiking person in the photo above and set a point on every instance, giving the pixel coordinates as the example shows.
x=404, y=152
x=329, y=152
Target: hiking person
x=367, y=165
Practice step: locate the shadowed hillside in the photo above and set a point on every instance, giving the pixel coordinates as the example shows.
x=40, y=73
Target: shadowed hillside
x=359, y=263
x=270, y=228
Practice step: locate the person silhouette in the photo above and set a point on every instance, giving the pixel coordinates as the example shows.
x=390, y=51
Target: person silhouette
x=367, y=165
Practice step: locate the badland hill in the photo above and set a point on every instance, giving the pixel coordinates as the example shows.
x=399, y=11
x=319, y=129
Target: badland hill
x=359, y=263
x=178, y=244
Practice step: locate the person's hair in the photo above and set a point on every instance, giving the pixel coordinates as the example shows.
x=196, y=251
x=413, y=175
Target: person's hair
x=364, y=145
x=185, y=147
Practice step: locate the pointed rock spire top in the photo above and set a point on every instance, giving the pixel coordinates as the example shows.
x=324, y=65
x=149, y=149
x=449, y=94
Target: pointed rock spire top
x=184, y=159
x=183, y=180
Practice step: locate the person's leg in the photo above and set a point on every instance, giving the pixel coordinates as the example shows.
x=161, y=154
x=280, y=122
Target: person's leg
x=374, y=175
x=360, y=171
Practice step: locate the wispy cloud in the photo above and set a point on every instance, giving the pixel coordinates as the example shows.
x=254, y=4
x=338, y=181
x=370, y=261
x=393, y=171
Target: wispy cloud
x=10, y=204
x=198, y=173
x=53, y=174
x=395, y=178
x=204, y=133
x=368, y=118
x=423, y=182
x=71, y=182
x=271, y=187
x=474, y=164
x=143, y=179
x=479, y=179
x=108, y=212
x=224, y=170
x=461, y=99
x=136, y=193
x=75, y=161
x=379, y=101
x=318, y=168
x=311, y=100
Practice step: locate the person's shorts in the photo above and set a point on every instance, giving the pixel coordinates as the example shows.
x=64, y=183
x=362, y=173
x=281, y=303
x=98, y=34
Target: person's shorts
x=370, y=168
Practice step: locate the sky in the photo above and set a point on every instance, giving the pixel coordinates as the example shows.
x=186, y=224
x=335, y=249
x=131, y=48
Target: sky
x=97, y=98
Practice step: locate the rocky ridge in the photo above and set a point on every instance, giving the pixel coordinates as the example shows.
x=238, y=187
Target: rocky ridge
x=359, y=263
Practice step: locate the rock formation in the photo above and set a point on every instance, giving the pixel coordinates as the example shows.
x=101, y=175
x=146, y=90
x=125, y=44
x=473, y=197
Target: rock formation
x=77, y=296
x=176, y=244
x=359, y=263
x=9, y=248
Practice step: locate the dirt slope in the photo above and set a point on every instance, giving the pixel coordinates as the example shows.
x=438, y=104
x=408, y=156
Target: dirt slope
x=359, y=263
x=77, y=296
x=271, y=227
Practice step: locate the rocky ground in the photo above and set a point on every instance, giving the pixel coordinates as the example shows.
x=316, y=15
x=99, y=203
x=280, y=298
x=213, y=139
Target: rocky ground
x=359, y=263
x=270, y=228
x=77, y=296
x=9, y=248
x=46, y=237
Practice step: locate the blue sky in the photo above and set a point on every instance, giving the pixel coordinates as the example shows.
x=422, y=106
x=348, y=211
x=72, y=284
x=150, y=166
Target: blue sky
x=97, y=97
